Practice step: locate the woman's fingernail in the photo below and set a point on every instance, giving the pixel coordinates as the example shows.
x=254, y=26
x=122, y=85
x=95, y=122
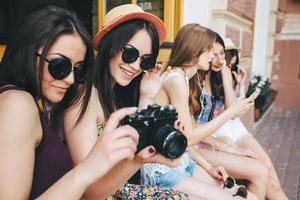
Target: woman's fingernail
x=133, y=109
x=151, y=150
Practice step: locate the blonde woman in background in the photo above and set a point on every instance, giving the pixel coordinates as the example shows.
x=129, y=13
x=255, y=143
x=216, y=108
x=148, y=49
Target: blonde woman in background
x=191, y=52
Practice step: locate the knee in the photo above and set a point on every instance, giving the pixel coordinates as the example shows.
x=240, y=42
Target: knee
x=268, y=163
x=251, y=196
x=266, y=160
x=274, y=185
x=261, y=174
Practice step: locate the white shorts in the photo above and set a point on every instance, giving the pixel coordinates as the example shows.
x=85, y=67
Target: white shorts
x=233, y=129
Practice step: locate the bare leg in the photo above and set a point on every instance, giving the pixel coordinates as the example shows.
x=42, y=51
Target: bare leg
x=198, y=189
x=241, y=168
x=274, y=190
x=201, y=175
x=195, y=198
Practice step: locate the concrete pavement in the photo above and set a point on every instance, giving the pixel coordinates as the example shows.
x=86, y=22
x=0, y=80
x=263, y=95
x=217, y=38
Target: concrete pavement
x=279, y=134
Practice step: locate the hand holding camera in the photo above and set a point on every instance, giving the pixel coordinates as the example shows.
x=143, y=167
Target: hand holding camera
x=155, y=127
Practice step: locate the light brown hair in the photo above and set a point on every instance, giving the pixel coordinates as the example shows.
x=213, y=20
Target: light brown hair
x=191, y=41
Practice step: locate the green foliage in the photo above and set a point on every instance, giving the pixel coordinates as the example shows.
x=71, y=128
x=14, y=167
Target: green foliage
x=265, y=86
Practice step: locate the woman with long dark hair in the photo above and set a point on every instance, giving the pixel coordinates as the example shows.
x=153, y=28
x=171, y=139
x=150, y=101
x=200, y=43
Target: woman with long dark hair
x=230, y=82
x=127, y=46
x=46, y=69
x=218, y=94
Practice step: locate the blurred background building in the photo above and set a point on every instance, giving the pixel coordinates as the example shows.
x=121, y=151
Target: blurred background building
x=267, y=31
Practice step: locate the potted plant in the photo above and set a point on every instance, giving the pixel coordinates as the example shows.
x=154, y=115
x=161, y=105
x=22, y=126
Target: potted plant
x=266, y=96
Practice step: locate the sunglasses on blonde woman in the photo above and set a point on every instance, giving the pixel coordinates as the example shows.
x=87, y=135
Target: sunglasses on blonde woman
x=130, y=54
x=60, y=68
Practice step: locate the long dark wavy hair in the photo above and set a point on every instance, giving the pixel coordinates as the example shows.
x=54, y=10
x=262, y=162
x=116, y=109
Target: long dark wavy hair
x=229, y=54
x=216, y=77
x=190, y=42
x=38, y=30
x=113, y=96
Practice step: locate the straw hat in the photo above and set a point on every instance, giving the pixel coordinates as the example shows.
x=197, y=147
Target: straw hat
x=124, y=13
x=230, y=45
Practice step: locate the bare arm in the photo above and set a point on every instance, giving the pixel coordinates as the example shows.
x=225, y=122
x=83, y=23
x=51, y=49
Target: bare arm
x=230, y=96
x=179, y=98
x=240, y=77
x=198, y=158
x=103, y=156
x=177, y=91
x=20, y=133
x=82, y=138
x=17, y=144
x=217, y=172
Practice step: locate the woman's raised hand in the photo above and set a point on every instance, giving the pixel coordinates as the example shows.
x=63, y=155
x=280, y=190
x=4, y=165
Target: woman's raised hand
x=151, y=83
x=240, y=75
x=242, y=105
x=217, y=172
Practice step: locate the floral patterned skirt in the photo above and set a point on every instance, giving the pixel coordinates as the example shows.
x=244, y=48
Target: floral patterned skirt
x=141, y=192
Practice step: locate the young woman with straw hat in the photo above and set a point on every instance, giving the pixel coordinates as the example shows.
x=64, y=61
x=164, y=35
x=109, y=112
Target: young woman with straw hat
x=127, y=45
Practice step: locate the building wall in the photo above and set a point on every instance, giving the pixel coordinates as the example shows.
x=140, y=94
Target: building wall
x=195, y=11
x=261, y=37
x=286, y=69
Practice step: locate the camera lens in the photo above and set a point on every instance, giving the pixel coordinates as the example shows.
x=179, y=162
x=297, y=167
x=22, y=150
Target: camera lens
x=176, y=145
x=169, y=142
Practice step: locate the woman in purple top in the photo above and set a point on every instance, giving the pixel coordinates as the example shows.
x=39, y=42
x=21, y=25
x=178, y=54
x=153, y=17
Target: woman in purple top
x=43, y=73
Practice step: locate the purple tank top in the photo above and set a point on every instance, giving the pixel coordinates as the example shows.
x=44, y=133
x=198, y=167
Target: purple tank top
x=52, y=157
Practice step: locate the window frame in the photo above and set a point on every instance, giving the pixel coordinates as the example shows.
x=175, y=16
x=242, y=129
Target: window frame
x=172, y=19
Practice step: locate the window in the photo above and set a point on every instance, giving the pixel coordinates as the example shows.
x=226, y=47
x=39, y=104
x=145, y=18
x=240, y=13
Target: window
x=169, y=11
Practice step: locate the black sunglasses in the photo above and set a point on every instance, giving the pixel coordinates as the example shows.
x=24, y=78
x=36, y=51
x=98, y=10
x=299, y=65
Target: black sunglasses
x=241, y=191
x=130, y=54
x=229, y=182
x=60, y=68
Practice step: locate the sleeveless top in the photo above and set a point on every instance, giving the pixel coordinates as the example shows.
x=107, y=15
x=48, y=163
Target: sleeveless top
x=52, y=157
x=151, y=168
x=210, y=108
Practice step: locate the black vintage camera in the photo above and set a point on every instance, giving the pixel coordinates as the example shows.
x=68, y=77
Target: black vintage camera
x=155, y=127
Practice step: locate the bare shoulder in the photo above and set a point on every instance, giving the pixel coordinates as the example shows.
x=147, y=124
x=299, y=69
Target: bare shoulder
x=19, y=114
x=175, y=76
x=93, y=110
x=175, y=81
x=17, y=101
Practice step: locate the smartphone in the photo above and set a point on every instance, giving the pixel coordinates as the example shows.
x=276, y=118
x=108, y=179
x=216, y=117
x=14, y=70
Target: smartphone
x=255, y=93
